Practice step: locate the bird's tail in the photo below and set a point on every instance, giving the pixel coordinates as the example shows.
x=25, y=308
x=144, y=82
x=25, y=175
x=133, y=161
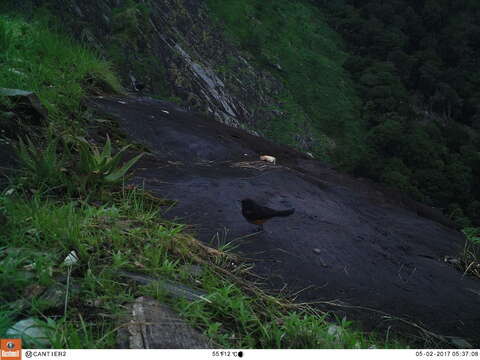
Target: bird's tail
x=285, y=212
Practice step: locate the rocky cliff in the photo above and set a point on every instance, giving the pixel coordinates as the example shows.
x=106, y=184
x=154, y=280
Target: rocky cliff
x=172, y=49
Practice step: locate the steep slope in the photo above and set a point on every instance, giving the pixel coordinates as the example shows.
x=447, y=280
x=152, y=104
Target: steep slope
x=349, y=243
x=170, y=49
x=274, y=69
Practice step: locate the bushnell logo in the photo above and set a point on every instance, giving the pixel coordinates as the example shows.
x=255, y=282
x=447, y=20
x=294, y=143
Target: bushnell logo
x=10, y=349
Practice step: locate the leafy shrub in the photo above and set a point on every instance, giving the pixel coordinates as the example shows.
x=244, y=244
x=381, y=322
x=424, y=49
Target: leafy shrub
x=41, y=168
x=50, y=169
x=97, y=168
x=472, y=234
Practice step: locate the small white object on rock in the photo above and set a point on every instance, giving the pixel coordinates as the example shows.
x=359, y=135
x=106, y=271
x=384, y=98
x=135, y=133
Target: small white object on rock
x=317, y=251
x=71, y=259
x=165, y=111
x=122, y=102
x=268, y=158
x=32, y=331
x=451, y=260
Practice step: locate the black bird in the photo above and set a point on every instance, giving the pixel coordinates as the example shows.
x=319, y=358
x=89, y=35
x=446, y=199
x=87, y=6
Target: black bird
x=258, y=215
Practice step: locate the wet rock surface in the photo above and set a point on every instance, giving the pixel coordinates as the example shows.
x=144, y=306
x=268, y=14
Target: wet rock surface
x=349, y=242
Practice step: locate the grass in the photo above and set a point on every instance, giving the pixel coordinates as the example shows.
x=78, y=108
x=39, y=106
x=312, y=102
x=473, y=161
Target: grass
x=130, y=234
x=232, y=317
x=123, y=237
x=105, y=238
x=123, y=230
x=294, y=42
x=58, y=70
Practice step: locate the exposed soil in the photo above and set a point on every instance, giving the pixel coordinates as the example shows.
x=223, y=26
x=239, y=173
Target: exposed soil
x=349, y=241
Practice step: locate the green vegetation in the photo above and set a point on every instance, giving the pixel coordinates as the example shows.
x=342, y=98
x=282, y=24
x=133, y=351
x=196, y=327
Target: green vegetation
x=49, y=169
x=54, y=67
x=68, y=198
x=233, y=318
x=415, y=66
x=105, y=238
x=292, y=40
x=100, y=169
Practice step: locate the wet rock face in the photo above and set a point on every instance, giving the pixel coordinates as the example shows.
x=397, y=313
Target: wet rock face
x=175, y=49
x=361, y=251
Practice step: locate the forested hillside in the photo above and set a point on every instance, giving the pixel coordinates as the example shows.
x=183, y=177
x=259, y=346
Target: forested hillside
x=132, y=132
x=416, y=67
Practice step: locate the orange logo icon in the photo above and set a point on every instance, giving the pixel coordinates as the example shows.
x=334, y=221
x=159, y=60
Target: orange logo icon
x=10, y=349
